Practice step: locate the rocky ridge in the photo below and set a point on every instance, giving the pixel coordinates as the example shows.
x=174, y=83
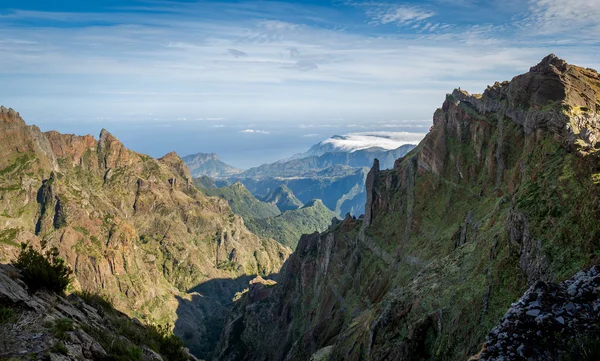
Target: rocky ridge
x=133, y=228
x=502, y=193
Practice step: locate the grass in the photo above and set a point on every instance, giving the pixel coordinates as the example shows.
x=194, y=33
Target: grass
x=60, y=328
x=18, y=164
x=8, y=236
x=290, y=225
x=60, y=348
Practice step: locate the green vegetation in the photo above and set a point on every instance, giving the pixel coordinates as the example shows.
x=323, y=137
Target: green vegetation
x=228, y=265
x=47, y=271
x=17, y=165
x=241, y=201
x=8, y=236
x=583, y=348
x=289, y=226
x=284, y=199
x=7, y=317
x=61, y=327
x=265, y=220
x=60, y=348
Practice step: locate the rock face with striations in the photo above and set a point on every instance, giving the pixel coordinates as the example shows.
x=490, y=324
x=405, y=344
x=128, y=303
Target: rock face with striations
x=132, y=227
x=502, y=193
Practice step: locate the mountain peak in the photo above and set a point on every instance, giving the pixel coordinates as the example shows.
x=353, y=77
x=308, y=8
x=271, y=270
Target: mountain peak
x=10, y=115
x=208, y=164
x=547, y=63
x=106, y=136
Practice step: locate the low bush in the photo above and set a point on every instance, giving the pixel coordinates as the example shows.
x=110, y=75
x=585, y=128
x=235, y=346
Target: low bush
x=47, y=271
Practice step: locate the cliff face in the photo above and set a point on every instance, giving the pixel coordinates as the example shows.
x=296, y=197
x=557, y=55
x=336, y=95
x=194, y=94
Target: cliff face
x=500, y=194
x=132, y=227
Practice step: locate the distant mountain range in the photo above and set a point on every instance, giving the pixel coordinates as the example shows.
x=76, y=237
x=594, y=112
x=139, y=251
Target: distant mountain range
x=302, y=194
x=299, y=167
x=208, y=164
x=288, y=227
x=333, y=170
x=352, y=142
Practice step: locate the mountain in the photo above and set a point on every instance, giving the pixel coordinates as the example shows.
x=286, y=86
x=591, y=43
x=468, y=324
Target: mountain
x=501, y=195
x=301, y=166
x=288, y=227
x=283, y=198
x=265, y=218
x=205, y=182
x=241, y=201
x=337, y=178
x=341, y=188
x=208, y=164
x=133, y=228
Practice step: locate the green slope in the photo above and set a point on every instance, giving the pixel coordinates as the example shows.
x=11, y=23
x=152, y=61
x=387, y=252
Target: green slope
x=265, y=219
x=289, y=226
x=241, y=201
x=284, y=199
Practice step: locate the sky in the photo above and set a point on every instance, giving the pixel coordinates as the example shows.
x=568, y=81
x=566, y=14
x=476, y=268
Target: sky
x=257, y=81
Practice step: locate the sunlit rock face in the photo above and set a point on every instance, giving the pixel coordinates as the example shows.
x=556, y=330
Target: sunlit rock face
x=133, y=228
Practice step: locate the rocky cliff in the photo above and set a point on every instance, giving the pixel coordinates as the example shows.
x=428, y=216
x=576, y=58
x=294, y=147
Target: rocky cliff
x=502, y=193
x=132, y=227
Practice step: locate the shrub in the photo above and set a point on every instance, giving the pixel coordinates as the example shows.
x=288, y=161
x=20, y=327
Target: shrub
x=60, y=348
x=47, y=271
x=7, y=317
x=61, y=327
x=169, y=345
x=96, y=300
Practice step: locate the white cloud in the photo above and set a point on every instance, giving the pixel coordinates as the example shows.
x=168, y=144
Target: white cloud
x=211, y=119
x=311, y=135
x=579, y=17
x=401, y=15
x=363, y=140
x=254, y=131
x=236, y=53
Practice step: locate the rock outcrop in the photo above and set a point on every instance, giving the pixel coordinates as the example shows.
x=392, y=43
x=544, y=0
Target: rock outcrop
x=132, y=227
x=550, y=322
x=45, y=325
x=502, y=193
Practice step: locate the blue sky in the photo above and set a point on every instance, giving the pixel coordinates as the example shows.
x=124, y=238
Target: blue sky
x=256, y=81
